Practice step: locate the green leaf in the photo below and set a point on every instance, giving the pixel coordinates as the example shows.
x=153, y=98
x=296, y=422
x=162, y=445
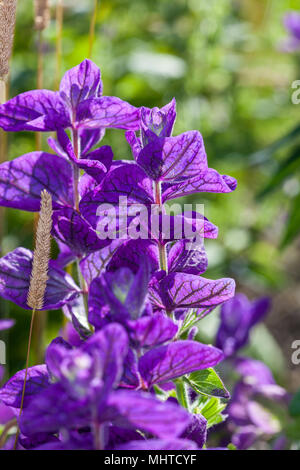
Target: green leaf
x=207, y=382
x=263, y=156
x=211, y=409
x=293, y=225
x=285, y=169
x=294, y=407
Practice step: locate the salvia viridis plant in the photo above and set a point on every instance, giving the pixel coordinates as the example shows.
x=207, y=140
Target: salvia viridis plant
x=127, y=371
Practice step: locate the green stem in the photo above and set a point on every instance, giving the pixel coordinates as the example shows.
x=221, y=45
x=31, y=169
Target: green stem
x=182, y=395
x=25, y=378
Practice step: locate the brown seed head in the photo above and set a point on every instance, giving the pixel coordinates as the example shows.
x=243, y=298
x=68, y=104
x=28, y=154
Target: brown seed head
x=7, y=27
x=41, y=256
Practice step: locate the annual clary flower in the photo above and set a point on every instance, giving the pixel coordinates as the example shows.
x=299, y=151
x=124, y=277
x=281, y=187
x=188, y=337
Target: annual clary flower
x=291, y=22
x=123, y=376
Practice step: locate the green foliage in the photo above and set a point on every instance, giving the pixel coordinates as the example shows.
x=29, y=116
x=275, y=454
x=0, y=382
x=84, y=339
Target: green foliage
x=211, y=409
x=294, y=407
x=207, y=382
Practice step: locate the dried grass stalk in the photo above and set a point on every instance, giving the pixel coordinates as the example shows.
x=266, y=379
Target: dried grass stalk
x=41, y=256
x=41, y=14
x=7, y=26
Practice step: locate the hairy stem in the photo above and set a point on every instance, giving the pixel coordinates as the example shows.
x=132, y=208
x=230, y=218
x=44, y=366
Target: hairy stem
x=25, y=378
x=163, y=257
x=182, y=395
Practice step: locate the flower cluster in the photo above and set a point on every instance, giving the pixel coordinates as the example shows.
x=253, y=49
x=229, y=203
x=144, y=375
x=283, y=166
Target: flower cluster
x=248, y=417
x=119, y=377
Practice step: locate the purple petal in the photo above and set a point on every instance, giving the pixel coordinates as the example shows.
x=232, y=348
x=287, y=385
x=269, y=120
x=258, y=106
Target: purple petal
x=172, y=158
x=183, y=259
x=130, y=377
x=129, y=252
x=157, y=122
x=209, y=181
x=128, y=180
x=107, y=111
x=37, y=110
x=164, y=420
x=109, y=347
x=6, y=324
x=23, y=179
x=52, y=410
x=152, y=331
x=80, y=83
x=245, y=437
x=176, y=359
x=197, y=430
x=159, y=444
x=37, y=380
x=89, y=138
x=262, y=418
x=15, y=270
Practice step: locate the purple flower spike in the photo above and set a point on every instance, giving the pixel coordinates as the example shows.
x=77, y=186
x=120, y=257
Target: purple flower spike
x=238, y=316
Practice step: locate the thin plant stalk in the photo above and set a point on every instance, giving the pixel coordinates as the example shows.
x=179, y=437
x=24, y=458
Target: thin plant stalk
x=92, y=28
x=59, y=30
x=41, y=22
x=25, y=377
x=38, y=278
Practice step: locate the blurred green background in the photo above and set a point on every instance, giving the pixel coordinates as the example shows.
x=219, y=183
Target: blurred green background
x=222, y=62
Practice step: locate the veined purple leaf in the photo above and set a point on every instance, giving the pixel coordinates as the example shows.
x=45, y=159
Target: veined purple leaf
x=80, y=83
x=37, y=380
x=15, y=271
x=187, y=258
x=23, y=179
x=179, y=290
x=208, y=181
x=70, y=228
x=145, y=412
x=37, y=110
x=169, y=362
x=126, y=181
x=174, y=158
x=107, y=111
x=93, y=265
x=89, y=138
